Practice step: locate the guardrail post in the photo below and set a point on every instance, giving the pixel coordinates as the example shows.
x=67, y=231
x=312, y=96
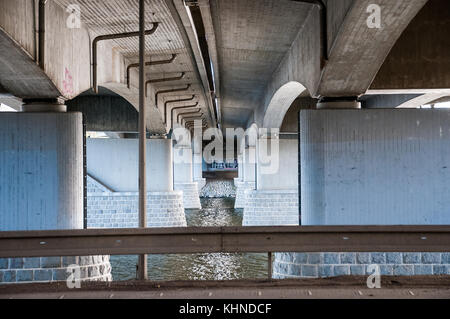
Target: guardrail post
x=269, y=265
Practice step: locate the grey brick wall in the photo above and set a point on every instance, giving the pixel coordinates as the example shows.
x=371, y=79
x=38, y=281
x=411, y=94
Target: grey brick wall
x=267, y=208
x=191, y=197
x=241, y=188
x=53, y=269
x=120, y=210
x=301, y=265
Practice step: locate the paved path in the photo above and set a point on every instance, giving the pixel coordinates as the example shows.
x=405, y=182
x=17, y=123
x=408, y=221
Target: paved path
x=345, y=287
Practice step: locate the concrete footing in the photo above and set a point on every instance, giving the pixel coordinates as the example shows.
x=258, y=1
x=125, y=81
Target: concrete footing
x=191, y=197
x=41, y=156
x=315, y=265
x=107, y=209
x=271, y=207
x=241, y=188
x=54, y=269
x=372, y=167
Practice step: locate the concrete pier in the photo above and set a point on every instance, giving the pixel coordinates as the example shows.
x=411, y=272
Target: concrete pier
x=372, y=167
x=183, y=177
x=113, y=190
x=197, y=163
x=275, y=201
x=41, y=188
x=248, y=176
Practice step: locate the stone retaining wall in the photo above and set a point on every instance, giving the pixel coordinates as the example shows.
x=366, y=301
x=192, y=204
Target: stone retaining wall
x=314, y=265
x=271, y=207
x=120, y=210
x=241, y=188
x=191, y=197
x=53, y=269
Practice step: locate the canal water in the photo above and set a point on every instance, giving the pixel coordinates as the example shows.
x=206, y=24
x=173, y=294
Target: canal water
x=218, y=266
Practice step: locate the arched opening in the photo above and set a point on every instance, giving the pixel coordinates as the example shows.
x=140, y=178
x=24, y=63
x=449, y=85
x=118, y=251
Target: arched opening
x=281, y=102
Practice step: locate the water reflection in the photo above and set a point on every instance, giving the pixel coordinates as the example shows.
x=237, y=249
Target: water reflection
x=215, y=212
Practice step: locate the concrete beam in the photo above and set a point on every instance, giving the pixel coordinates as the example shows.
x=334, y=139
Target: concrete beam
x=419, y=59
x=358, y=51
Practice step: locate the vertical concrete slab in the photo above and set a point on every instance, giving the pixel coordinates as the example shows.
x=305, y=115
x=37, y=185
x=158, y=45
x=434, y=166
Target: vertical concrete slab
x=383, y=167
x=41, y=171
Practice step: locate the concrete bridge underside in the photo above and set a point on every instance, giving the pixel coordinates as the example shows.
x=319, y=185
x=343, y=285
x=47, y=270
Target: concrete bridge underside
x=238, y=63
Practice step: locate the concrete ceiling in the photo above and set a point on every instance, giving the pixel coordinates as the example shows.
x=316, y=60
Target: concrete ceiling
x=117, y=16
x=252, y=38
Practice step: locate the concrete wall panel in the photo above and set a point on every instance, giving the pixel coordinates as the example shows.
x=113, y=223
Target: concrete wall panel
x=41, y=171
x=384, y=167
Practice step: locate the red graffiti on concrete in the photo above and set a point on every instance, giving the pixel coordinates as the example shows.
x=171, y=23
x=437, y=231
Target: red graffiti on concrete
x=68, y=83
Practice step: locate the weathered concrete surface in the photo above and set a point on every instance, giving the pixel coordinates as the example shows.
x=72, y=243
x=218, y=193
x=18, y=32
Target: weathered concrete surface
x=420, y=58
x=105, y=113
x=67, y=67
x=375, y=167
x=252, y=39
x=20, y=75
x=41, y=171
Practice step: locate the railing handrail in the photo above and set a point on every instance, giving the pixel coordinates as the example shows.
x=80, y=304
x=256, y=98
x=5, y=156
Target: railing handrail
x=224, y=239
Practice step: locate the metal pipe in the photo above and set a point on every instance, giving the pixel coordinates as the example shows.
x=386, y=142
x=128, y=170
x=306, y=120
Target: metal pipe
x=150, y=63
x=187, y=113
x=170, y=91
x=174, y=101
x=112, y=37
x=142, y=263
x=178, y=108
x=324, y=27
x=163, y=80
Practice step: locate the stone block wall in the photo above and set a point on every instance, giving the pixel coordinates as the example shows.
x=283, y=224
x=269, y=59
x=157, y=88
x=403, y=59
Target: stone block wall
x=191, y=197
x=120, y=210
x=53, y=269
x=321, y=265
x=108, y=209
x=272, y=207
x=241, y=188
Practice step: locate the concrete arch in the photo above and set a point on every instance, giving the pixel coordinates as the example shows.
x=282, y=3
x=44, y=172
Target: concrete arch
x=154, y=117
x=115, y=109
x=280, y=104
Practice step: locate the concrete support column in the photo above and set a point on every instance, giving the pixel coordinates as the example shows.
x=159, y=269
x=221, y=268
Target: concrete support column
x=372, y=167
x=183, y=178
x=113, y=184
x=248, y=172
x=197, y=162
x=238, y=180
x=275, y=201
x=41, y=171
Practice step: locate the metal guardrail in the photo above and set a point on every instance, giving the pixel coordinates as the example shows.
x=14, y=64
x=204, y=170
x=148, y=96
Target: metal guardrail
x=225, y=239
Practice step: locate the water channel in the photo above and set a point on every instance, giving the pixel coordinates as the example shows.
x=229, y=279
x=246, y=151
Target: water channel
x=218, y=266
